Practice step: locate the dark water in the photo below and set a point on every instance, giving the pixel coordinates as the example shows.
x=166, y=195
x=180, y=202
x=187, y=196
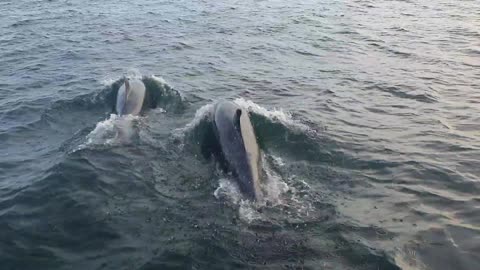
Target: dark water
x=367, y=113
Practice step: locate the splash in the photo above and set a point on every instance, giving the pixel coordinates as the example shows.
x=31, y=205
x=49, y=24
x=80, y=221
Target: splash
x=114, y=130
x=108, y=80
x=249, y=212
x=277, y=115
x=279, y=192
x=111, y=79
x=228, y=190
x=273, y=190
x=132, y=73
x=160, y=80
x=290, y=196
x=203, y=113
x=278, y=161
x=273, y=185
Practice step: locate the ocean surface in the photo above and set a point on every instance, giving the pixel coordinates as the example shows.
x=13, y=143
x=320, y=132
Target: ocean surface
x=367, y=114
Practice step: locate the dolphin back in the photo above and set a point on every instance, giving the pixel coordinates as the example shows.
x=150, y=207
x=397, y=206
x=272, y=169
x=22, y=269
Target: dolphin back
x=131, y=101
x=239, y=146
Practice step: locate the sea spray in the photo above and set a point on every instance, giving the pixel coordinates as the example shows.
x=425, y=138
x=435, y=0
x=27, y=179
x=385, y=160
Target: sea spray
x=114, y=130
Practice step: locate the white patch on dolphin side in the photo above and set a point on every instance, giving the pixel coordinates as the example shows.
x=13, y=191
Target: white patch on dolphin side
x=252, y=151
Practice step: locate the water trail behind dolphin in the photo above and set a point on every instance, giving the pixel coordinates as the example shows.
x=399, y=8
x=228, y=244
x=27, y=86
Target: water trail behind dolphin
x=114, y=130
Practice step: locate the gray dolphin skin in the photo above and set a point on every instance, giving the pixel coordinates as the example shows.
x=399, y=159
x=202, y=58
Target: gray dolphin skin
x=130, y=97
x=239, y=147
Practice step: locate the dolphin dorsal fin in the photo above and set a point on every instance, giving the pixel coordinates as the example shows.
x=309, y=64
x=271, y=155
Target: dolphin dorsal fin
x=236, y=119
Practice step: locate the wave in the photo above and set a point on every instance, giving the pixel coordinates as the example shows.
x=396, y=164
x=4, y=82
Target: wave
x=167, y=186
x=51, y=131
x=259, y=115
x=280, y=191
x=43, y=112
x=158, y=94
x=114, y=130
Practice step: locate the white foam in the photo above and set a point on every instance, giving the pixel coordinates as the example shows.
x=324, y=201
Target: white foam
x=248, y=212
x=228, y=190
x=114, y=130
x=108, y=81
x=159, y=80
x=277, y=193
x=132, y=73
x=273, y=185
x=275, y=115
x=273, y=188
x=278, y=115
x=278, y=161
x=202, y=113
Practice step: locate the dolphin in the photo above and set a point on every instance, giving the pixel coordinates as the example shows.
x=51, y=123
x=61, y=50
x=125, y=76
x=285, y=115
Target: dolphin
x=237, y=146
x=130, y=97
